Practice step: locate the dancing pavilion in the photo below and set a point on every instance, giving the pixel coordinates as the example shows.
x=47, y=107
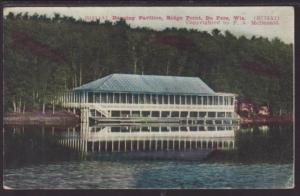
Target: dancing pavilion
x=151, y=98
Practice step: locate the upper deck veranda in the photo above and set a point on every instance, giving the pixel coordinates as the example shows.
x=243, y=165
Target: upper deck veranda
x=143, y=91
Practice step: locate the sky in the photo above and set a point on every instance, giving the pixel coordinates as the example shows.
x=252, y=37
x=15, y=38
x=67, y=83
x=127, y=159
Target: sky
x=263, y=21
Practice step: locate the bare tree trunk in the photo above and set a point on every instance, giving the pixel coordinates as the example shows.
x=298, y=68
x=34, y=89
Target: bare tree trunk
x=80, y=74
x=135, y=65
x=14, y=105
x=44, y=106
x=24, y=108
x=33, y=96
x=53, y=107
x=168, y=67
x=20, y=106
x=75, y=80
x=65, y=84
x=280, y=112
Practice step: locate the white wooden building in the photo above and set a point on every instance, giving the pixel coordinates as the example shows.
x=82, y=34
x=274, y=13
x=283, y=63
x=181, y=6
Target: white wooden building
x=151, y=98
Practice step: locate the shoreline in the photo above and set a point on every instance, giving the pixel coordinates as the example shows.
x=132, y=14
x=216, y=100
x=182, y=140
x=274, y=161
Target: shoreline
x=268, y=120
x=61, y=118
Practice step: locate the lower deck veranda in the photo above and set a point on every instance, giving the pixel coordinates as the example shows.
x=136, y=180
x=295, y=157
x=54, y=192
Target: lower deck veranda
x=125, y=107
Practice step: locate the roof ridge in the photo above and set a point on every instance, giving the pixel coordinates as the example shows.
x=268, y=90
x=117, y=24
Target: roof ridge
x=106, y=78
x=154, y=75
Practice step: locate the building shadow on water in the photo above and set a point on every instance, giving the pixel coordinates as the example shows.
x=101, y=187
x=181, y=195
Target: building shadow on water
x=35, y=145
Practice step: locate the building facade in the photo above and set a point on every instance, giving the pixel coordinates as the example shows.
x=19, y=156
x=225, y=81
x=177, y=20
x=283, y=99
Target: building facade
x=128, y=97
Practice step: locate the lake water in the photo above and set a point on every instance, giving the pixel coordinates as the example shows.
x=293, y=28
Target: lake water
x=148, y=156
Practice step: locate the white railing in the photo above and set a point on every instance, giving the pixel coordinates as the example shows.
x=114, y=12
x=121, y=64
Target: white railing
x=139, y=135
x=121, y=106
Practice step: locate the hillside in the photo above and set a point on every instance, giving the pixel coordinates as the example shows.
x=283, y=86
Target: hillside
x=45, y=56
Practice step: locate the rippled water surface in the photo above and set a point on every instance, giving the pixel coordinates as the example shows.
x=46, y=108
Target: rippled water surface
x=253, y=158
x=150, y=174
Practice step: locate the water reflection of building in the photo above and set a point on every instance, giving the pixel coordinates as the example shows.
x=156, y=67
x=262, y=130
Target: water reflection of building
x=149, y=139
x=140, y=98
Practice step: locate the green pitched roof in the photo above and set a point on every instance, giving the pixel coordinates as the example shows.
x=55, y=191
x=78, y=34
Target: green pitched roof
x=147, y=84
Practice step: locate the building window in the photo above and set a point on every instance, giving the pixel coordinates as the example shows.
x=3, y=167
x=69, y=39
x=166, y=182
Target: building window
x=142, y=98
x=129, y=98
x=145, y=114
x=202, y=114
x=103, y=98
x=135, y=114
x=221, y=114
x=193, y=114
x=116, y=98
x=177, y=99
x=210, y=100
x=110, y=98
x=123, y=98
x=194, y=100
x=165, y=114
x=216, y=100
x=211, y=114
x=160, y=99
x=125, y=114
x=135, y=98
x=115, y=113
x=188, y=99
x=221, y=100
x=154, y=99
x=199, y=100
x=183, y=129
x=183, y=100
x=174, y=114
x=174, y=129
x=97, y=97
x=228, y=114
x=147, y=101
x=166, y=99
x=155, y=113
x=183, y=114
x=204, y=100
x=171, y=99
x=90, y=97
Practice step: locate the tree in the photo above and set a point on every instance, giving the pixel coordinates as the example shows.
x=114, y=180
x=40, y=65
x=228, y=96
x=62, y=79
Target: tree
x=44, y=56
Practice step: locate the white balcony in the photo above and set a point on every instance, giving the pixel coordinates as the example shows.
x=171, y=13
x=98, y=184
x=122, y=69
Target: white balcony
x=149, y=107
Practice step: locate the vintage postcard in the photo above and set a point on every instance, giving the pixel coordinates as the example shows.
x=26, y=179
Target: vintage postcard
x=148, y=97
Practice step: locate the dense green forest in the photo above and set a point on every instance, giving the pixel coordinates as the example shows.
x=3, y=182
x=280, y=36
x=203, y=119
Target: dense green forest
x=44, y=56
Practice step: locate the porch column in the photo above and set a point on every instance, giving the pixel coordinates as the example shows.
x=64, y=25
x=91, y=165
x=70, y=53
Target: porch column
x=132, y=99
